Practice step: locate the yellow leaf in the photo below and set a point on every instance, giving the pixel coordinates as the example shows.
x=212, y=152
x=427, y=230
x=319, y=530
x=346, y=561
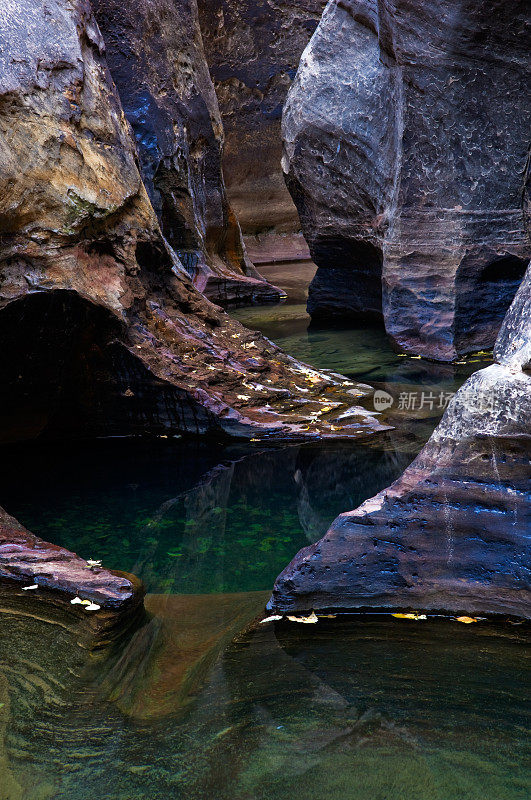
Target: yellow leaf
x=307, y=620
x=466, y=620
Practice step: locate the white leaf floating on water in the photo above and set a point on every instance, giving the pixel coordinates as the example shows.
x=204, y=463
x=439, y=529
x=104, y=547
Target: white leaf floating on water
x=28, y=588
x=92, y=607
x=78, y=601
x=273, y=618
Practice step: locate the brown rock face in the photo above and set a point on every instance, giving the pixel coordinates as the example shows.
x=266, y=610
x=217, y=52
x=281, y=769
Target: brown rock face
x=155, y=54
x=452, y=533
x=253, y=49
x=102, y=330
x=408, y=171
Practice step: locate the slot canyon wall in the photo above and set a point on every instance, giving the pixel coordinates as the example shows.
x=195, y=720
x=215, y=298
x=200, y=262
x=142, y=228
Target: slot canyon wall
x=452, y=533
x=103, y=331
x=155, y=55
x=253, y=49
x=406, y=142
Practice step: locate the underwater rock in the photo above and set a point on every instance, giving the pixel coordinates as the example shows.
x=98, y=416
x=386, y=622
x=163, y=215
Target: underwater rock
x=155, y=54
x=408, y=171
x=452, y=534
x=102, y=331
x=166, y=661
x=253, y=49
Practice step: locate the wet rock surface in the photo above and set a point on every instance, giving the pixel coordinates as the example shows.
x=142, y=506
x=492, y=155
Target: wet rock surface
x=155, y=55
x=407, y=169
x=253, y=49
x=452, y=533
x=103, y=331
x=27, y=561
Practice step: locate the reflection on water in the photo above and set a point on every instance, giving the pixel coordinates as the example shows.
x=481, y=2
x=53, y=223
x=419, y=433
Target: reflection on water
x=189, y=516
x=351, y=710
x=361, y=352
x=201, y=703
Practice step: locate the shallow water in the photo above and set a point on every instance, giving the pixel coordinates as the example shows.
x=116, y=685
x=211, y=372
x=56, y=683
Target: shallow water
x=354, y=710
x=198, y=703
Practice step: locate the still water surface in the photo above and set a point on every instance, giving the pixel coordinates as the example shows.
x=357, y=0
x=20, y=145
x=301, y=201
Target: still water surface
x=198, y=703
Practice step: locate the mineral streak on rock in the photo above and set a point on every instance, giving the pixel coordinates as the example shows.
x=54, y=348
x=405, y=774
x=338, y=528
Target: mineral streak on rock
x=155, y=54
x=405, y=150
x=102, y=331
x=253, y=49
x=452, y=533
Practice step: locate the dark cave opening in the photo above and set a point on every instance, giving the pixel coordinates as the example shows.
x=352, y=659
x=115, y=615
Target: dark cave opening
x=54, y=363
x=484, y=291
x=348, y=281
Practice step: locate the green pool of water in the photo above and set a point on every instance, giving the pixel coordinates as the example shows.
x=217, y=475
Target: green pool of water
x=199, y=703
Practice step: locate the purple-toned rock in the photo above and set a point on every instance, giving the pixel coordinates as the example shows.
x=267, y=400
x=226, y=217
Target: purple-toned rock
x=28, y=561
x=452, y=534
x=253, y=49
x=102, y=330
x=405, y=150
x=155, y=54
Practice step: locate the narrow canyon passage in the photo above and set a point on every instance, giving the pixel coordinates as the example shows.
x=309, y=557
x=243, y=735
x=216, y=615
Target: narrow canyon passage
x=265, y=418
x=220, y=709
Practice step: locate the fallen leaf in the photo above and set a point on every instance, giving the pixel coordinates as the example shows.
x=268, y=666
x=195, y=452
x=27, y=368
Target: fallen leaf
x=306, y=620
x=27, y=588
x=273, y=618
x=410, y=616
x=466, y=620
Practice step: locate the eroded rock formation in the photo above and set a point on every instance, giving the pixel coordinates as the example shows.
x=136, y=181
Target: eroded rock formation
x=155, y=54
x=102, y=330
x=253, y=49
x=405, y=150
x=26, y=560
x=452, y=533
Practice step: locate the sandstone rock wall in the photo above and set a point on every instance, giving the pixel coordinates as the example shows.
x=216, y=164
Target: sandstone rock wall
x=155, y=54
x=406, y=152
x=452, y=534
x=102, y=331
x=253, y=49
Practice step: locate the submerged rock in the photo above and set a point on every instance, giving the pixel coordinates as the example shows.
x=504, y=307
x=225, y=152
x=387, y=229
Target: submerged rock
x=452, y=533
x=408, y=169
x=155, y=54
x=102, y=331
x=253, y=50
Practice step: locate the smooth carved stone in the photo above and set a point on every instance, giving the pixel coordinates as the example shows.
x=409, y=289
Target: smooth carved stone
x=155, y=55
x=408, y=168
x=102, y=331
x=26, y=559
x=513, y=345
x=451, y=534
x=253, y=49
